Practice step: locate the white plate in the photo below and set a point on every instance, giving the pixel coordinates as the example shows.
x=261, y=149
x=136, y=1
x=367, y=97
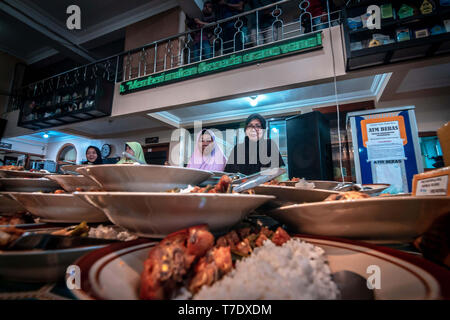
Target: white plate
x=70, y=182
x=28, y=184
x=9, y=206
x=114, y=272
x=59, y=208
x=71, y=167
x=294, y=195
x=379, y=219
x=156, y=214
x=143, y=178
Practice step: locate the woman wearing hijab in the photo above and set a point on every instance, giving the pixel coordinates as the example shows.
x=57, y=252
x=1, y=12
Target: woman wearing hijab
x=255, y=154
x=207, y=154
x=93, y=156
x=135, y=150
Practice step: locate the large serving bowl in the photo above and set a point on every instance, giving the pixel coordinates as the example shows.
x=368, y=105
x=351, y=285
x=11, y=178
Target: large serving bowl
x=22, y=174
x=70, y=168
x=70, y=183
x=143, y=178
x=9, y=206
x=153, y=214
x=28, y=185
x=59, y=208
x=378, y=219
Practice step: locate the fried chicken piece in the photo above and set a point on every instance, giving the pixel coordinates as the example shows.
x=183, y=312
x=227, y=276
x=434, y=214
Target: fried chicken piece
x=280, y=237
x=170, y=261
x=260, y=240
x=211, y=268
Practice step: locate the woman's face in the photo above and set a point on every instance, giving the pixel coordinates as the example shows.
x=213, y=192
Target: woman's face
x=206, y=141
x=129, y=150
x=254, y=130
x=91, y=155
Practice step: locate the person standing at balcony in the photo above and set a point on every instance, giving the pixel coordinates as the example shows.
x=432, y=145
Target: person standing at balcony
x=208, y=17
x=207, y=154
x=318, y=11
x=265, y=21
x=227, y=9
x=256, y=152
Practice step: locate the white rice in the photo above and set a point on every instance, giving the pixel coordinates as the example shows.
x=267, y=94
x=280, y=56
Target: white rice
x=295, y=271
x=111, y=232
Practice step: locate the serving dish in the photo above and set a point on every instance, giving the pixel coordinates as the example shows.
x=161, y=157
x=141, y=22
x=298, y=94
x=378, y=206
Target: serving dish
x=377, y=219
x=28, y=184
x=72, y=183
x=143, y=178
x=59, y=208
x=154, y=214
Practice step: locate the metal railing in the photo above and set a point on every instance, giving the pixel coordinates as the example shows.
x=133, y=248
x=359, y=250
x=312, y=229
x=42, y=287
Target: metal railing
x=278, y=21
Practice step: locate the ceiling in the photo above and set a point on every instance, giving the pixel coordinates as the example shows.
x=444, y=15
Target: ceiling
x=109, y=127
x=34, y=30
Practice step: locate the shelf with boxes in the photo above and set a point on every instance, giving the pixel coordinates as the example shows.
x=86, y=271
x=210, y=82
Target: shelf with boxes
x=408, y=30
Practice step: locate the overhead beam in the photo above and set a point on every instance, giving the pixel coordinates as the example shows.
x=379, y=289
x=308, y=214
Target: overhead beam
x=63, y=41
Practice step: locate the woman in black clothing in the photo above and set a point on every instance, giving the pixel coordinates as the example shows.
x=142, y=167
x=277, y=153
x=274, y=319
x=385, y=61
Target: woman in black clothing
x=256, y=153
x=93, y=156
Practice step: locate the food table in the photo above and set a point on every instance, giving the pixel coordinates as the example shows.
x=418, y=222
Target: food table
x=179, y=208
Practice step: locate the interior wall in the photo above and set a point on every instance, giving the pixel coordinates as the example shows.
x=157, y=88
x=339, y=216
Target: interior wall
x=118, y=144
x=432, y=112
x=7, y=65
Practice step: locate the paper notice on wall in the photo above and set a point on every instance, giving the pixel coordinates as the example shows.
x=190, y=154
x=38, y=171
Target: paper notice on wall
x=385, y=149
x=383, y=130
x=389, y=173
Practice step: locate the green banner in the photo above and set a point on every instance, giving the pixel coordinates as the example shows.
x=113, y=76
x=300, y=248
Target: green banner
x=223, y=63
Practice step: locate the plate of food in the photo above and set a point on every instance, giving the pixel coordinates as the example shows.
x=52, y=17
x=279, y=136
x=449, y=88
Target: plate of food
x=28, y=185
x=143, y=178
x=20, y=172
x=286, y=194
x=357, y=216
x=59, y=207
x=255, y=263
x=19, y=220
x=154, y=214
x=9, y=206
x=330, y=185
x=71, y=168
x=43, y=255
x=72, y=183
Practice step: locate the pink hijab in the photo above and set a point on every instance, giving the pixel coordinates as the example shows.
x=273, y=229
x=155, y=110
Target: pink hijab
x=214, y=161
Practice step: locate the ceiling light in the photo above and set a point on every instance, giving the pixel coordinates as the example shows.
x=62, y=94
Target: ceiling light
x=46, y=135
x=254, y=100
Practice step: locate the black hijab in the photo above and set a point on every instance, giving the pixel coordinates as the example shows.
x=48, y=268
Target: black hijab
x=253, y=163
x=99, y=159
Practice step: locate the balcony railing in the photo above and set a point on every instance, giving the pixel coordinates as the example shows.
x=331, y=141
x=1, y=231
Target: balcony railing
x=275, y=22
